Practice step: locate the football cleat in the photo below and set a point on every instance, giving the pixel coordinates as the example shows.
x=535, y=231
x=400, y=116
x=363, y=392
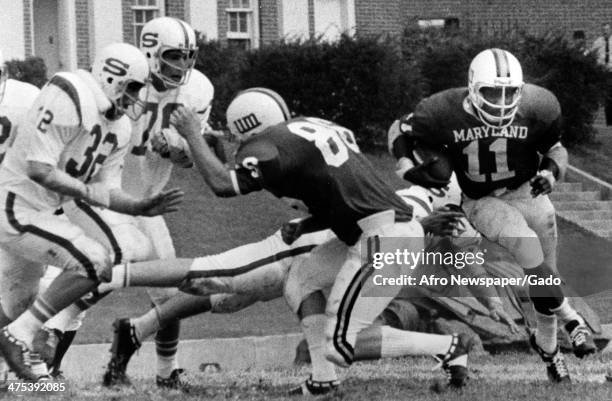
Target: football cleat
x=313, y=387
x=17, y=355
x=176, y=381
x=581, y=338
x=556, y=367
x=454, y=362
x=124, y=345
x=4, y=371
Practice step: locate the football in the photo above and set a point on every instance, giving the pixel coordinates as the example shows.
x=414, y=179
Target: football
x=437, y=163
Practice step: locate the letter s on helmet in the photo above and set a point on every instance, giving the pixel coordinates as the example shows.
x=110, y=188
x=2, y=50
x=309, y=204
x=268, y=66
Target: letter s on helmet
x=499, y=69
x=115, y=67
x=163, y=34
x=255, y=109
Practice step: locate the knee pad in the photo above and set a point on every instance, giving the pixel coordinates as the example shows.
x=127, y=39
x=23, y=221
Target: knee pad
x=134, y=245
x=97, y=257
x=527, y=250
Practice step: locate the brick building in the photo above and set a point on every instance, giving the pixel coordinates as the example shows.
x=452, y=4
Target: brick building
x=66, y=32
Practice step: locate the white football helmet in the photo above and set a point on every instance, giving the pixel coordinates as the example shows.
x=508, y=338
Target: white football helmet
x=122, y=70
x=162, y=34
x=3, y=76
x=497, y=69
x=255, y=109
x=419, y=198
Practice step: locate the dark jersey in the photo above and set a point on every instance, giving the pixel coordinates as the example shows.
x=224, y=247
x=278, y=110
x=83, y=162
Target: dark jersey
x=319, y=163
x=486, y=158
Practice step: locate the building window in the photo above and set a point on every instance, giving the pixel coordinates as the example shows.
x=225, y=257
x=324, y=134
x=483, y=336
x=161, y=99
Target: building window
x=242, y=27
x=144, y=11
x=439, y=23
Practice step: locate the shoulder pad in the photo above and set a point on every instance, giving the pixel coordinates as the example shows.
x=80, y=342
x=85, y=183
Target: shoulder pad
x=198, y=90
x=70, y=101
x=539, y=103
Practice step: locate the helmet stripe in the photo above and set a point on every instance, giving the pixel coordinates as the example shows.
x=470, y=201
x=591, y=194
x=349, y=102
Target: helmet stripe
x=184, y=32
x=276, y=97
x=501, y=63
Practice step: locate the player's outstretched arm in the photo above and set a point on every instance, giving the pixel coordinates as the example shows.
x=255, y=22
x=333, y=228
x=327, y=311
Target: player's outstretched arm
x=98, y=193
x=162, y=203
x=214, y=172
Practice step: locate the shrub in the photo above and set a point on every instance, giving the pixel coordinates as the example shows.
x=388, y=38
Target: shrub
x=364, y=83
x=548, y=60
x=32, y=70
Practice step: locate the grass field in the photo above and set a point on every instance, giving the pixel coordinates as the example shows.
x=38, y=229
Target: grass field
x=207, y=224
x=518, y=377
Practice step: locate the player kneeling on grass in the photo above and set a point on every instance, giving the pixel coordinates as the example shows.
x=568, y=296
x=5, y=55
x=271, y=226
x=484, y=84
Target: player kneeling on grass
x=319, y=163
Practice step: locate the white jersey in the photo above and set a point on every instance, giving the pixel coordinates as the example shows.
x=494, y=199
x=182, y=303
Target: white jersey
x=17, y=99
x=66, y=128
x=146, y=171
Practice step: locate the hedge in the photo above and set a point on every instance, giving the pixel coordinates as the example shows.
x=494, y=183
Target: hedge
x=32, y=70
x=365, y=83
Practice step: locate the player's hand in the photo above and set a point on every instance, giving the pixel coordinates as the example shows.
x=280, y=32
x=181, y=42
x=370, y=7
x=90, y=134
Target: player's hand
x=162, y=203
x=442, y=222
x=499, y=314
x=542, y=184
x=186, y=121
x=291, y=231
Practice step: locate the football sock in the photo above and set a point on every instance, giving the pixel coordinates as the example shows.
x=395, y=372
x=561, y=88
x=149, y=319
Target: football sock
x=156, y=273
x=546, y=332
x=313, y=327
x=166, y=345
x=388, y=342
x=62, y=347
x=147, y=324
x=62, y=320
x=566, y=313
x=63, y=291
x=395, y=342
x=182, y=306
x=24, y=328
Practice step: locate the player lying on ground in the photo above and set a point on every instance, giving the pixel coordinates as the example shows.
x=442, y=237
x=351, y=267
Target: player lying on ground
x=170, y=47
x=493, y=133
x=71, y=147
x=342, y=191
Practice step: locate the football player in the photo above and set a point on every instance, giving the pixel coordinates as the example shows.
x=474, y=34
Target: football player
x=170, y=48
x=16, y=97
x=233, y=280
x=502, y=136
x=319, y=163
x=71, y=146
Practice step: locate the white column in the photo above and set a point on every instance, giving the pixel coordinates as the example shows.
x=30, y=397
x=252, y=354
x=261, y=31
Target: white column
x=66, y=30
x=105, y=24
x=203, y=17
x=11, y=29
